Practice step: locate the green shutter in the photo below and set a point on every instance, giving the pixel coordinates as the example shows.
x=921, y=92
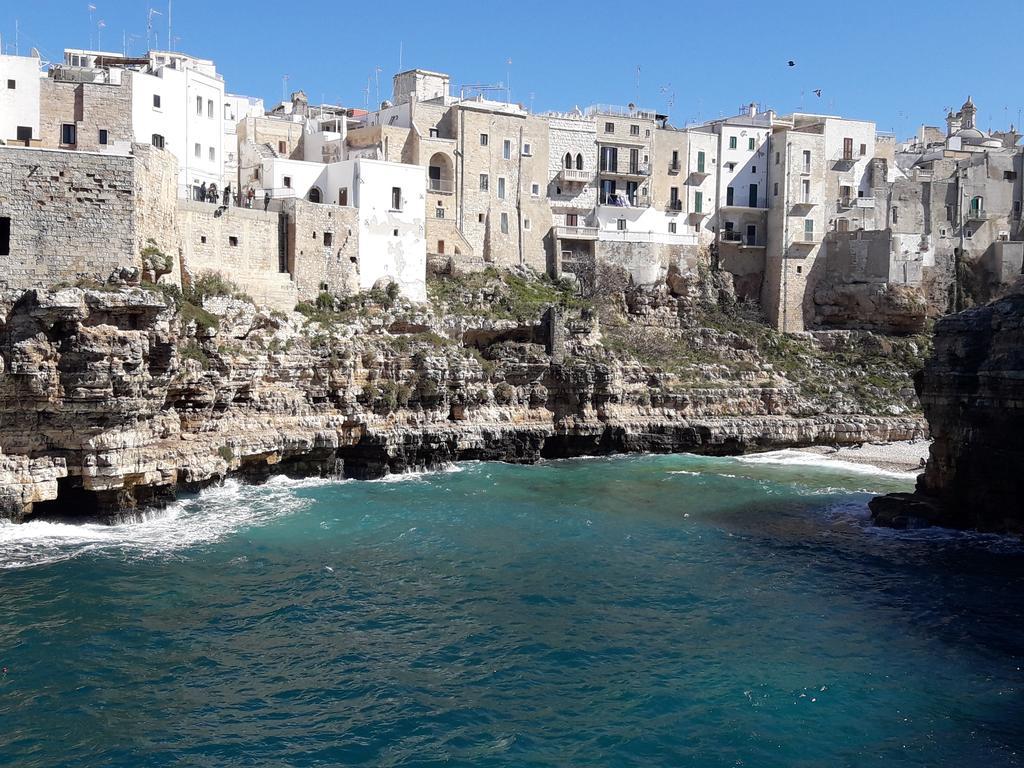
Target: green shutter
x=700, y=162
x=698, y=202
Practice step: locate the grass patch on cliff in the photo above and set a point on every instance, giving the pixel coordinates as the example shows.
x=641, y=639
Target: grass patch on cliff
x=503, y=295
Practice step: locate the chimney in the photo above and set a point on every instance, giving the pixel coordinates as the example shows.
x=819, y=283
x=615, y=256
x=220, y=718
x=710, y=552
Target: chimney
x=751, y=109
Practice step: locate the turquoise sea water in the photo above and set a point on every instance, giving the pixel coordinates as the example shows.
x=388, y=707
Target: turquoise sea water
x=642, y=611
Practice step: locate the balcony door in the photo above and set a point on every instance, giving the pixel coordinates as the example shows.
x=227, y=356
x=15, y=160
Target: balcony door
x=752, y=200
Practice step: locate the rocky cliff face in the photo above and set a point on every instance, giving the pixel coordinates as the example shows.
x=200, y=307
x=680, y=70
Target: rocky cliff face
x=972, y=392
x=120, y=396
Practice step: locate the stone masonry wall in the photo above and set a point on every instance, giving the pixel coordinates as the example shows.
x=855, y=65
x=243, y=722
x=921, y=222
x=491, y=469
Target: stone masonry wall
x=323, y=248
x=91, y=107
x=71, y=215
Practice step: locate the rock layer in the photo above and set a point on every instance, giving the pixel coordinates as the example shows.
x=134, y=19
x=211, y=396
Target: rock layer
x=972, y=393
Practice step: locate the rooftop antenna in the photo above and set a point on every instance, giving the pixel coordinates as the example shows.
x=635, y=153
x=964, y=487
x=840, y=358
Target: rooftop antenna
x=284, y=87
x=376, y=71
x=149, y=27
x=637, y=98
x=16, y=32
x=366, y=95
x=92, y=10
x=508, y=80
x=532, y=94
x=666, y=90
x=400, y=46
x=170, y=38
x=99, y=33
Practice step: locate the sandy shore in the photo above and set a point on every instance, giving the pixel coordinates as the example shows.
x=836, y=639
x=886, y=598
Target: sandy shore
x=907, y=456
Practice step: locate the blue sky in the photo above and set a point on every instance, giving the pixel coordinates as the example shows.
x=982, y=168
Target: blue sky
x=889, y=61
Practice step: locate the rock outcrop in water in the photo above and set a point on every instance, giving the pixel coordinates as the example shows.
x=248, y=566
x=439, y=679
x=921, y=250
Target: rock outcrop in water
x=972, y=392
x=119, y=396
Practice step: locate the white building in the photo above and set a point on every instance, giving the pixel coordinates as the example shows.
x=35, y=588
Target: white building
x=177, y=104
x=19, y=97
x=391, y=200
x=236, y=109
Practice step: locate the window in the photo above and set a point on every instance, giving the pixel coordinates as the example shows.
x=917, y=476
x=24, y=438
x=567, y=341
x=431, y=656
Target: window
x=609, y=159
x=209, y=108
x=698, y=202
x=328, y=239
x=198, y=150
x=5, y=235
x=634, y=130
x=24, y=133
x=799, y=269
x=282, y=147
x=439, y=212
x=480, y=218
x=847, y=149
x=969, y=234
x=483, y=139
x=775, y=189
x=753, y=169
x=199, y=105
x=776, y=158
x=609, y=127
x=863, y=149
x=807, y=161
x=213, y=155
x=11, y=85
x=751, y=234
x=501, y=188
x=158, y=141
x=343, y=196
x=506, y=149
x=394, y=233
x=751, y=144
x=579, y=162
x=434, y=133
x=809, y=230
x=67, y=134
x=700, y=162
x=156, y=101
x=1009, y=175
x=673, y=199
x=396, y=198
x=568, y=160
x=730, y=195
x=287, y=182
x=440, y=246
x=732, y=142
x=572, y=220
x=485, y=182
x=674, y=165
x=527, y=150
x=202, y=239
x=671, y=227
x=535, y=189
x=504, y=223
x=842, y=225
x=1016, y=208
x=103, y=136
x=895, y=214
x=621, y=225
x=526, y=224
x=233, y=241
x=805, y=191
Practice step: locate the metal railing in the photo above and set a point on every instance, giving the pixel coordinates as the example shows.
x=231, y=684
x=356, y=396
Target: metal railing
x=444, y=186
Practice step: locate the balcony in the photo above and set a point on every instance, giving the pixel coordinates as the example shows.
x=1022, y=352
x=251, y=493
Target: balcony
x=806, y=239
x=574, y=176
x=621, y=200
x=674, y=168
x=674, y=205
x=440, y=186
x=976, y=214
x=865, y=202
x=740, y=207
x=640, y=171
x=844, y=161
x=732, y=237
x=576, y=233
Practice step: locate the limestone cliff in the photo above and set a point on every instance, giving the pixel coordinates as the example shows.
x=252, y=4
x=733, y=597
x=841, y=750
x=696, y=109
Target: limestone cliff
x=972, y=392
x=113, y=396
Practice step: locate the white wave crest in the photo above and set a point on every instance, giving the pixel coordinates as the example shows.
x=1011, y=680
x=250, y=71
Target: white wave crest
x=793, y=457
x=209, y=516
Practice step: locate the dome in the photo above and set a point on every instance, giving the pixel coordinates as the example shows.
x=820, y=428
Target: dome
x=970, y=135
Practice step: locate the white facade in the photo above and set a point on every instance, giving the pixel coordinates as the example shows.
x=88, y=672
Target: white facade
x=742, y=164
x=19, y=96
x=639, y=225
x=392, y=238
x=236, y=109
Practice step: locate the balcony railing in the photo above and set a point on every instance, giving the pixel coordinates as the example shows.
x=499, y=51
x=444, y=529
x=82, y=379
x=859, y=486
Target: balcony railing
x=575, y=175
x=643, y=169
x=673, y=167
x=977, y=214
x=675, y=205
x=844, y=159
x=576, y=233
x=443, y=186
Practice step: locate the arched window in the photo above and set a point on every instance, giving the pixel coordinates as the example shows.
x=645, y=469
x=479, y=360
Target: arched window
x=568, y=160
x=314, y=195
x=579, y=162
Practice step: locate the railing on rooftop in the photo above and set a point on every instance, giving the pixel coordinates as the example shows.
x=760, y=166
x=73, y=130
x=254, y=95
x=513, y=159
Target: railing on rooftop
x=613, y=110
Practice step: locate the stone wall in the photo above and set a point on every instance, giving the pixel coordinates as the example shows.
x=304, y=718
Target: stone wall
x=156, y=204
x=71, y=215
x=323, y=248
x=91, y=107
x=243, y=245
